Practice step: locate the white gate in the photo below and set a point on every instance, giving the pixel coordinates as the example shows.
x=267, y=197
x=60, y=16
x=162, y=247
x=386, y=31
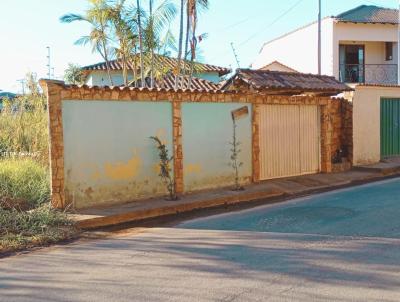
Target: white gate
x=289, y=140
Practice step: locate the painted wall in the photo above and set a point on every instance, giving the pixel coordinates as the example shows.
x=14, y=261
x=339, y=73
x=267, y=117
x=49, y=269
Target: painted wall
x=108, y=155
x=366, y=122
x=207, y=131
x=299, y=49
x=367, y=34
x=100, y=78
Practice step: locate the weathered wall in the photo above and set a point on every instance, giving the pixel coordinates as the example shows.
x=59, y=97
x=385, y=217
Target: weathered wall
x=207, y=132
x=367, y=122
x=67, y=124
x=108, y=154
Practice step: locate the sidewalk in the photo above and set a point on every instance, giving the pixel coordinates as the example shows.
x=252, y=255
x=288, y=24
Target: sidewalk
x=264, y=192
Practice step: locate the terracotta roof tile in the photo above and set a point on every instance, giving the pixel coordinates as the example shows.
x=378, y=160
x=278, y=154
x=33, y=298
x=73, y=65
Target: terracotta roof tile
x=167, y=62
x=287, y=81
x=370, y=14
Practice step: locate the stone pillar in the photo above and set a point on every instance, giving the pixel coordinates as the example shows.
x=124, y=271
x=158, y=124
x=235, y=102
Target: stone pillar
x=177, y=143
x=256, y=142
x=326, y=138
x=53, y=91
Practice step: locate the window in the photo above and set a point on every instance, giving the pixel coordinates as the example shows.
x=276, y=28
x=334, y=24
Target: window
x=389, y=51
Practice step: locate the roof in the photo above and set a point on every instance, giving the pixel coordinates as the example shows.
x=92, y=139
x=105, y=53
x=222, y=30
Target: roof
x=8, y=95
x=197, y=84
x=293, y=82
x=165, y=61
x=369, y=14
x=282, y=66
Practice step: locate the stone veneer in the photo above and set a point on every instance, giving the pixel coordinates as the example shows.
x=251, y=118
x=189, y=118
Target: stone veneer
x=335, y=124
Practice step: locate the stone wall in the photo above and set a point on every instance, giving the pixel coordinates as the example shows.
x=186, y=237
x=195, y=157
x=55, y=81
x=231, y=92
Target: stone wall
x=335, y=125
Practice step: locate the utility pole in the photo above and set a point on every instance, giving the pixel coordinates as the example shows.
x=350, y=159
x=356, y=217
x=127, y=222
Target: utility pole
x=22, y=82
x=236, y=57
x=48, y=63
x=319, y=36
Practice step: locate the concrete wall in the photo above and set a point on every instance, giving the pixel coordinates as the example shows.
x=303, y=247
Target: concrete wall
x=108, y=154
x=207, y=131
x=100, y=78
x=299, y=49
x=366, y=122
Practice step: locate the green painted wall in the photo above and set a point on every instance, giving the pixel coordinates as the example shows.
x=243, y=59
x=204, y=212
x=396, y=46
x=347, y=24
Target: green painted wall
x=109, y=157
x=207, y=131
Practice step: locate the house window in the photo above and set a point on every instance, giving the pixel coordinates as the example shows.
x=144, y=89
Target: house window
x=389, y=51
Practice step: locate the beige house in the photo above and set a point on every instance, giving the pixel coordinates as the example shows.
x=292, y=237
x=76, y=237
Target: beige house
x=358, y=46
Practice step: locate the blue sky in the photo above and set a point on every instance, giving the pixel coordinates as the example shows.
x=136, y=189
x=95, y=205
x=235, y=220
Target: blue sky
x=28, y=26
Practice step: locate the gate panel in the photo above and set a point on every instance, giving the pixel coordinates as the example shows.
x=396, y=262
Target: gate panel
x=390, y=130
x=289, y=140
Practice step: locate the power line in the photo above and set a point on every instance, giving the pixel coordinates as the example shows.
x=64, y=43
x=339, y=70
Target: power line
x=272, y=23
x=264, y=28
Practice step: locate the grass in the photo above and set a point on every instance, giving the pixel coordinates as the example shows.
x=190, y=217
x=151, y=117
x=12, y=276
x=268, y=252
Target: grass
x=26, y=217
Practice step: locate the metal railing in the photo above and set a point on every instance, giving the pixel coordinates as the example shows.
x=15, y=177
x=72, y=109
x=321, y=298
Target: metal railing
x=368, y=73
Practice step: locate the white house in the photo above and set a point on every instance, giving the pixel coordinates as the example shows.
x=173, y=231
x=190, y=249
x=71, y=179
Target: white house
x=358, y=46
x=96, y=74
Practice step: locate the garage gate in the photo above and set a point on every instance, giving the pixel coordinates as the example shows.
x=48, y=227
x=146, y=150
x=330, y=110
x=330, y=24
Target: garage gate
x=390, y=127
x=289, y=140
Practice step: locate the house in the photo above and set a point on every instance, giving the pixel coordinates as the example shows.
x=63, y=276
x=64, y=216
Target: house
x=358, y=46
x=96, y=75
x=277, y=66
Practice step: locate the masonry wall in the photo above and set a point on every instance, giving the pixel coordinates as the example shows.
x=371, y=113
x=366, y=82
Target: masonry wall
x=207, y=134
x=108, y=155
x=110, y=127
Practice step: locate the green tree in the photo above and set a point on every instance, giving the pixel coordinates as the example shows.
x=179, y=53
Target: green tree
x=98, y=16
x=74, y=75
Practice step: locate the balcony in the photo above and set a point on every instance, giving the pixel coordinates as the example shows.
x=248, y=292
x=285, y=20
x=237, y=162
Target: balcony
x=368, y=73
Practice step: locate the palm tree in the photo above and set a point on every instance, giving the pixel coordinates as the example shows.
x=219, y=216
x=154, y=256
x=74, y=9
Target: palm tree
x=193, y=6
x=180, y=41
x=97, y=16
x=139, y=24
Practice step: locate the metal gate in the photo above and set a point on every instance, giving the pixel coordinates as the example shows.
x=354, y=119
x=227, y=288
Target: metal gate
x=390, y=130
x=289, y=140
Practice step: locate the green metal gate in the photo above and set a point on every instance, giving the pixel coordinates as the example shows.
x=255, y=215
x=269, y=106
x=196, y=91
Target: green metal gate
x=390, y=127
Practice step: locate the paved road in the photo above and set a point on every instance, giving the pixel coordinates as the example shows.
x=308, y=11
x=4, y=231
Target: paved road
x=190, y=265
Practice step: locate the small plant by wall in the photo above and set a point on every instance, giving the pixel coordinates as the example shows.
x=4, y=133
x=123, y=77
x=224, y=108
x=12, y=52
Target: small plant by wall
x=235, y=163
x=165, y=168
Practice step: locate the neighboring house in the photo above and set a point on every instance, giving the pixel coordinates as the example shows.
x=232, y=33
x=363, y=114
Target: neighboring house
x=96, y=75
x=277, y=66
x=358, y=46
x=6, y=95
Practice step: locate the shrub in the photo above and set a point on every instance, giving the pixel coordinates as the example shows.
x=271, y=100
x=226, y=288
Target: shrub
x=24, y=128
x=23, y=183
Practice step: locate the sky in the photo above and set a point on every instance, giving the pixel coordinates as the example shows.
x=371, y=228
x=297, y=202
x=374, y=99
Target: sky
x=27, y=27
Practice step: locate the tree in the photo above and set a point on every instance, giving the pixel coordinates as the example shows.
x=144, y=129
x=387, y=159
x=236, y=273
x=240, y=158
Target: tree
x=180, y=41
x=98, y=16
x=74, y=75
x=139, y=23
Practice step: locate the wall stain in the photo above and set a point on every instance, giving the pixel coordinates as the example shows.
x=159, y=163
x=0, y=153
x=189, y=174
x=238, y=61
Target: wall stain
x=123, y=170
x=192, y=168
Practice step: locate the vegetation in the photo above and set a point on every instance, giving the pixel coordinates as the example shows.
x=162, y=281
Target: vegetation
x=26, y=218
x=165, y=168
x=135, y=31
x=74, y=75
x=235, y=152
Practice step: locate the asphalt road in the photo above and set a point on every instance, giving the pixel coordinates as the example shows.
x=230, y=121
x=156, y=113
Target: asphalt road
x=191, y=265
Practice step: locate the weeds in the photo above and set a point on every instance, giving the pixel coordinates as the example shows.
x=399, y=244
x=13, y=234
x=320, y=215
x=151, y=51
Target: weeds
x=235, y=162
x=165, y=167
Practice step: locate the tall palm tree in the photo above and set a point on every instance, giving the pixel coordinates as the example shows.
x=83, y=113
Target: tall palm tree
x=139, y=24
x=97, y=16
x=180, y=42
x=193, y=7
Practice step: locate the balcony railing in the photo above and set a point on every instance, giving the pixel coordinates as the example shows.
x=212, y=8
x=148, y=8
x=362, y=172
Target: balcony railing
x=368, y=73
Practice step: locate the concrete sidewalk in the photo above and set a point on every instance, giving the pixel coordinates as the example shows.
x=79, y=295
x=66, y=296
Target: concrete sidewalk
x=262, y=193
